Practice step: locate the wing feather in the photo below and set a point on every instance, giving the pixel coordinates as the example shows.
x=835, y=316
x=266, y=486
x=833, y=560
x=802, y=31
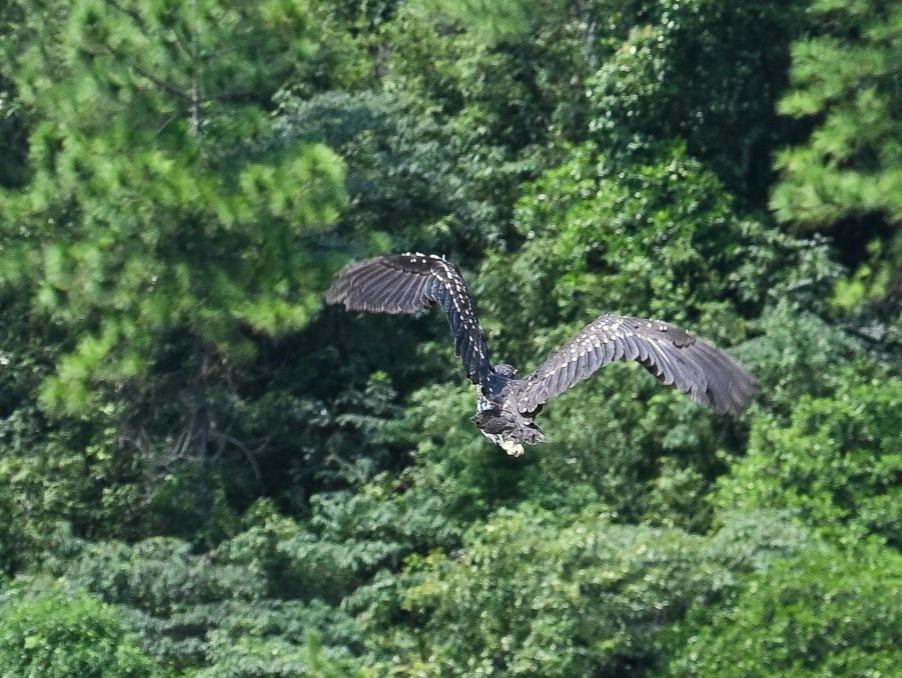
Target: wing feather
x=608, y=349
x=409, y=294
x=632, y=348
x=582, y=362
x=675, y=357
x=409, y=282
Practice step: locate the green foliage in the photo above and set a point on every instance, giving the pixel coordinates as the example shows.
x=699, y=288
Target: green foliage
x=405, y=172
x=532, y=593
x=837, y=462
x=146, y=133
x=55, y=469
x=494, y=21
x=53, y=480
x=847, y=77
x=846, y=177
x=250, y=608
x=12, y=137
x=654, y=237
x=47, y=631
x=649, y=87
x=659, y=238
x=249, y=657
x=161, y=233
x=224, y=478
x=801, y=353
x=509, y=98
x=824, y=613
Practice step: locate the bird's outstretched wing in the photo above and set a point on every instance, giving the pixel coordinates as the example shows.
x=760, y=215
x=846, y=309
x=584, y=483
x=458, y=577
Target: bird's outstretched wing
x=709, y=376
x=404, y=283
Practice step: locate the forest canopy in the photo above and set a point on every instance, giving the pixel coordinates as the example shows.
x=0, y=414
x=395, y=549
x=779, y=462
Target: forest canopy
x=206, y=471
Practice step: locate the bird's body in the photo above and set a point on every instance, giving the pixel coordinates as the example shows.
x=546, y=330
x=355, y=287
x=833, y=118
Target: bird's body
x=507, y=406
x=498, y=415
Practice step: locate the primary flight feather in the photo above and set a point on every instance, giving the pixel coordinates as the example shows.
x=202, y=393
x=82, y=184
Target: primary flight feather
x=507, y=406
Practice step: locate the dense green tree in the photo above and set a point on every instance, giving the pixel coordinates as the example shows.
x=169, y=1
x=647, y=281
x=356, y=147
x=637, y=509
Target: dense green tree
x=532, y=593
x=146, y=133
x=847, y=76
x=47, y=631
x=846, y=178
x=659, y=238
x=222, y=478
x=251, y=607
x=654, y=235
x=407, y=176
x=837, y=462
x=151, y=226
x=705, y=71
x=823, y=613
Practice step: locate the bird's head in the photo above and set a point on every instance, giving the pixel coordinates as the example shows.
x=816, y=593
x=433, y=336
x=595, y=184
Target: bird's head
x=506, y=371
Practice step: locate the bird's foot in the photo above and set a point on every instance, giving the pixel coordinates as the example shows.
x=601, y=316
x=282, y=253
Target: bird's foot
x=513, y=448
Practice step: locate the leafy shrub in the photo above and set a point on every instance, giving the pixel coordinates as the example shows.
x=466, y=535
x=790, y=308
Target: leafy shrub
x=532, y=593
x=48, y=632
x=837, y=462
x=825, y=613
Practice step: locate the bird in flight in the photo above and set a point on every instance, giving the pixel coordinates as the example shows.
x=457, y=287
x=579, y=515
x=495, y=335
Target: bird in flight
x=507, y=406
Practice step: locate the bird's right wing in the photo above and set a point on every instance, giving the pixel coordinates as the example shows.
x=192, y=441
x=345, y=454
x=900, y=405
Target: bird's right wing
x=404, y=283
x=709, y=376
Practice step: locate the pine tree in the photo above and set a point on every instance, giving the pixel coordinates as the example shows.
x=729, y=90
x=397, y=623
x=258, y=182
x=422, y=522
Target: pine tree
x=848, y=176
x=159, y=212
x=848, y=78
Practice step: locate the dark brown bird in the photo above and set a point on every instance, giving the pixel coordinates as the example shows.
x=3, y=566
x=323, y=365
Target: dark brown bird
x=507, y=406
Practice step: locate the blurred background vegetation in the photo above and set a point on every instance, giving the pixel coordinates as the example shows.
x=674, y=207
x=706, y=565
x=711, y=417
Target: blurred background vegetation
x=203, y=472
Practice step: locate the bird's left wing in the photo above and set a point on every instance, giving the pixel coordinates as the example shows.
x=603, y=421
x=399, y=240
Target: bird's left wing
x=675, y=357
x=404, y=283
